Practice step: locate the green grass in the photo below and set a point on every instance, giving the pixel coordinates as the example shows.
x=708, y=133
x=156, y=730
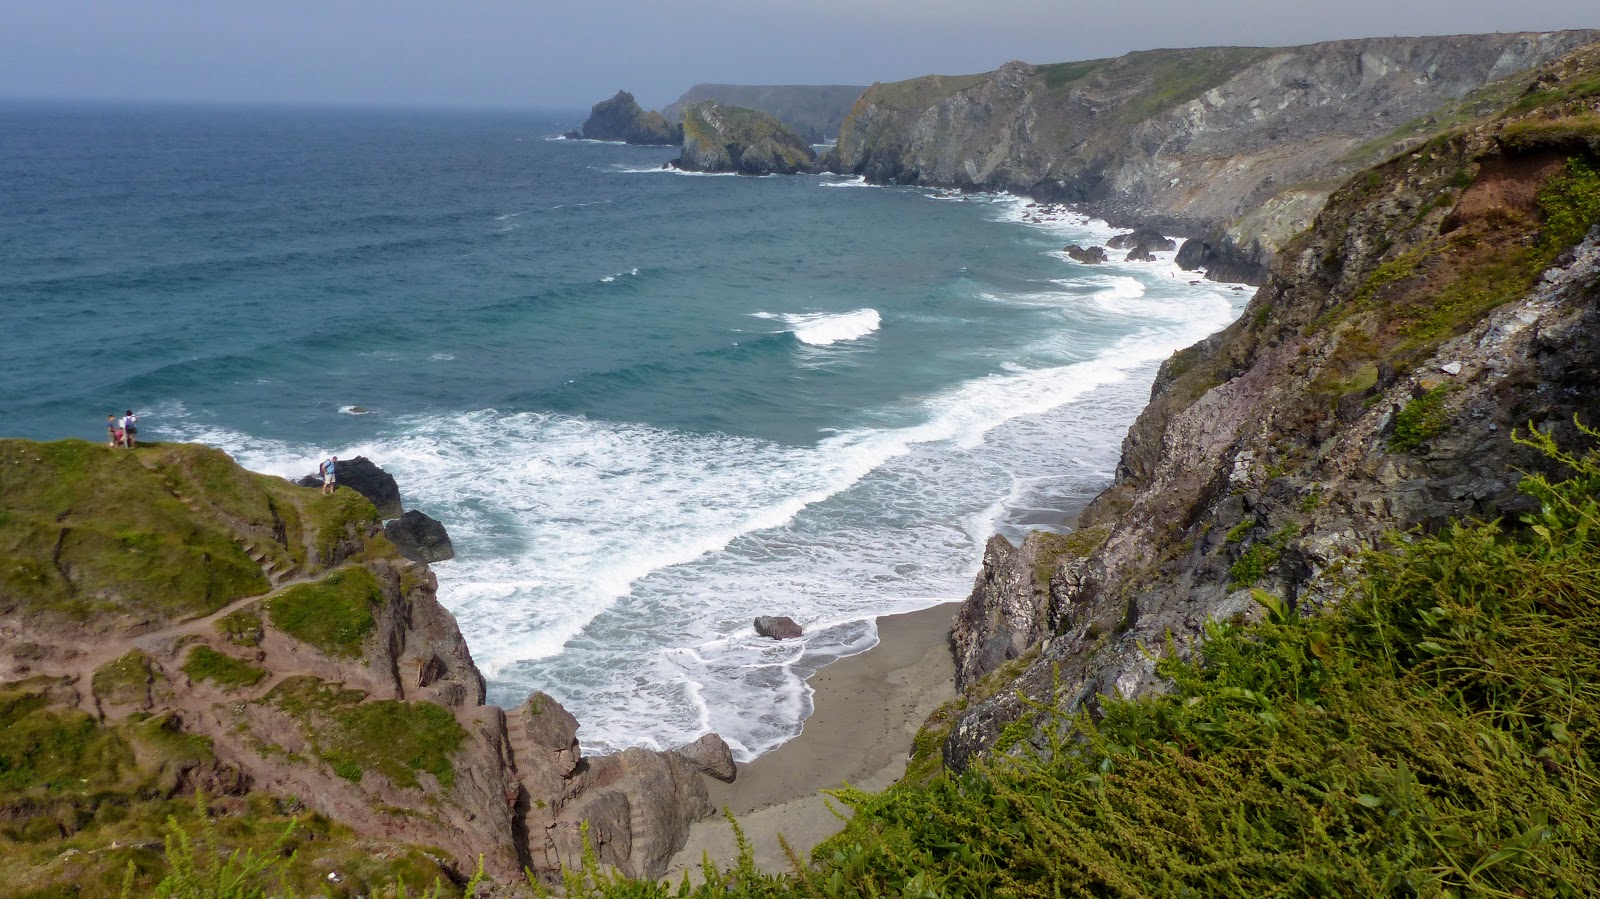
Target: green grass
x=395, y=739
x=333, y=614
x=1434, y=735
x=125, y=680
x=85, y=529
x=1420, y=420
x=1253, y=565
x=44, y=750
x=227, y=672
x=241, y=628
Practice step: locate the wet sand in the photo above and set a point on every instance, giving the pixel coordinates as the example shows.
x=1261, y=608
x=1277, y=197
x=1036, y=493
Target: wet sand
x=867, y=709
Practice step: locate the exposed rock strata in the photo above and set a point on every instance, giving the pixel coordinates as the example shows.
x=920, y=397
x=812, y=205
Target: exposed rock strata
x=1239, y=146
x=1272, y=452
x=730, y=139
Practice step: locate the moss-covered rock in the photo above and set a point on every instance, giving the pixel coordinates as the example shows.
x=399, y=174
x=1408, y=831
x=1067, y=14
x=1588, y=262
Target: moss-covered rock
x=333, y=614
x=730, y=139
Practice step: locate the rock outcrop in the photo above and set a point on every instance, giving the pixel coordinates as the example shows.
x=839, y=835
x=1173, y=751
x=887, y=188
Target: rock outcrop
x=730, y=139
x=1439, y=302
x=622, y=119
x=1239, y=146
x=780, y=627
x=266, y=644
x=420, y=537
x=365, y=477
x=1085, y=255
x=815, y=112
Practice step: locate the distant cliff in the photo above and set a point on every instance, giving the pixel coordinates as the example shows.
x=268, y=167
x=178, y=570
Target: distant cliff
x=815, y=112
x=730, y=139
x=622, y=119
x=1240, y=146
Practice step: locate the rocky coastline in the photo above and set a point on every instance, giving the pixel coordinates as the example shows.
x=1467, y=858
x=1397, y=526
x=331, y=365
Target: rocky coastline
x=266, y=644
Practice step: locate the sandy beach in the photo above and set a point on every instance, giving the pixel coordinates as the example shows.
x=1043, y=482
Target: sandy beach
x=867, y=710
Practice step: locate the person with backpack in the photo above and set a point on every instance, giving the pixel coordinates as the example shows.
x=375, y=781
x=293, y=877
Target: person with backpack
x=130, y=429
x=326, y=470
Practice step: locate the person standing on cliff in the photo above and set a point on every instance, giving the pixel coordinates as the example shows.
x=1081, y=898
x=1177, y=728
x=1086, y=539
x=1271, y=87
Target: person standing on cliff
x=130, y=429
x=328, y=485
x=113, y=432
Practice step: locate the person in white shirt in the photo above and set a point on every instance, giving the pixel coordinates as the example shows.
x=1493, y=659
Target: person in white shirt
x=130, y=429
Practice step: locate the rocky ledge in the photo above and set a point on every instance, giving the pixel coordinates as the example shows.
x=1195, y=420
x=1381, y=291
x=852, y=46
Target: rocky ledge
x=174, y=624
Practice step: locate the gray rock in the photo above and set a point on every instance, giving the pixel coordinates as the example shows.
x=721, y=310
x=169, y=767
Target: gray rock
x=1139, y=254
x=711, y=756
x=778, y=628
x=1089, y=256
x=419, y=537
x=1148, y=238
x=622, y=119
x=364, y=477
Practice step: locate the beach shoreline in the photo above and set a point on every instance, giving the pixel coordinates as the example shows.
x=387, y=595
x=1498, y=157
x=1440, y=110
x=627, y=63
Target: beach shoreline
x=867, y=709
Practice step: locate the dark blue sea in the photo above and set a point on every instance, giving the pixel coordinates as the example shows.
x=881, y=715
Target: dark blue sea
x=649, y=406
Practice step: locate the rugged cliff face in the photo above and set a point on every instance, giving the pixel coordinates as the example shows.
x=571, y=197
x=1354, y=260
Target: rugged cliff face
x=1239, y=146
x=729, y=139
x=174, y=624
x=1439, y=302
x=621, y=118
x=815, y=112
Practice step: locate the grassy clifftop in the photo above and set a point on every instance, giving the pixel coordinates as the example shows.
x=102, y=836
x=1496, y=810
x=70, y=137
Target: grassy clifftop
x=176, y=626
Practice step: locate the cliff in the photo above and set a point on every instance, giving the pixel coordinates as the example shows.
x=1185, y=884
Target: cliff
x=1238, y=146
x=729, y=139
x=815, y=112
x=1440, y=300
x=174, y=625
x=622, y=119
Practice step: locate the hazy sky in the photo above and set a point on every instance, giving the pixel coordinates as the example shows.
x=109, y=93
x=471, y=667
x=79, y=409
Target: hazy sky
x=562, y=53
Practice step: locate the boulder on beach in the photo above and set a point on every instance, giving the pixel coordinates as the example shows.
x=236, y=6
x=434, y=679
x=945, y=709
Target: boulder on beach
x=365, y=477
x=1090, y=256
x=420, y=537
x=1139, y=254
x=778, y=628
x=711, y=756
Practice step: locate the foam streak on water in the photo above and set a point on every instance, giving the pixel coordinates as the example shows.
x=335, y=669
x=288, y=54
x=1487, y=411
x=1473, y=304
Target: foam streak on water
x=647, y=409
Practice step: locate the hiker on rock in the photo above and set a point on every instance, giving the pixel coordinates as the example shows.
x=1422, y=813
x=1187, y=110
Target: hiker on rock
x=326, y=471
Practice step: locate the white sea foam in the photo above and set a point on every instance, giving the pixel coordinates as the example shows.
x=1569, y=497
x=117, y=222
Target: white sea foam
x=632, y=272
x=618, y=565
x=671, y=170
x=354, y=410
x=857, y=181
x=826, y=329
x=442, y=357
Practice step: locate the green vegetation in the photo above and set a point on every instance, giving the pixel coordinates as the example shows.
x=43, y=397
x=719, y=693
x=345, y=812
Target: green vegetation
x=227, y=672
x=1421, y=420
x=395, y=739
x=918, y=93
x=241, y=628
x=1176, y=77
x=1253, y=565
x=199, y=869
x=1079, y=543
x=43, y=750
x=1579, y=133
x=85, y=529
x=126, y=680
x=337, y=519
x=1066, y=74
x=1433, y=735
x=333, y=614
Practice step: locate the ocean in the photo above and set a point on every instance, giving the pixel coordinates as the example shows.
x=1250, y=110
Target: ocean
x=649, y=406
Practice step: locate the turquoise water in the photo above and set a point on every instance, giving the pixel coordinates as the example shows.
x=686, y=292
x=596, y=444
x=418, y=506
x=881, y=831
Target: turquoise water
x=648, y=405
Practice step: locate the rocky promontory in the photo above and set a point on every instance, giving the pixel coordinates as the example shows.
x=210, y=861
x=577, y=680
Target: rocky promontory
x=731, y=139
x=1440, y=301
x=175, y=625
x=1237, y=147
x=622, y=119
x=815, y=112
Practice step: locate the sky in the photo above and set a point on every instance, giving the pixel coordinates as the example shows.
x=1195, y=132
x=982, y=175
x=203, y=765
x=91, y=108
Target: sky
x=568, y=54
